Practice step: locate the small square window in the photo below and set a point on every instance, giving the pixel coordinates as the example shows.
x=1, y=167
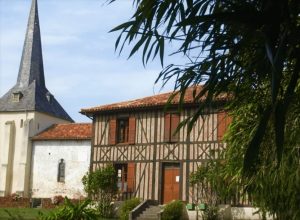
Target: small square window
x=122, y=130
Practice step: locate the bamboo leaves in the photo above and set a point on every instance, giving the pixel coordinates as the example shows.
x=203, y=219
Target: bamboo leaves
x=231, y=46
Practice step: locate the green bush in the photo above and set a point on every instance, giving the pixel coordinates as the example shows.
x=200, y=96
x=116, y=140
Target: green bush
x=173, y=211
x=101, y=184
x=128, y=206
x=70, y=211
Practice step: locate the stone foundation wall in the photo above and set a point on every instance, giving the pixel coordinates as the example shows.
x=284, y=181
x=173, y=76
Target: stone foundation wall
x=12, y=202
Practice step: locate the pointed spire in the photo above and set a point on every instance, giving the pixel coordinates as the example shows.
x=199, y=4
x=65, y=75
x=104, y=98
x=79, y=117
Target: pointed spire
x=31, y=66
x=30, y=92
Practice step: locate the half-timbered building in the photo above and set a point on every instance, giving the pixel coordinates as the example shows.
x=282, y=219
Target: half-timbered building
x=152, y=160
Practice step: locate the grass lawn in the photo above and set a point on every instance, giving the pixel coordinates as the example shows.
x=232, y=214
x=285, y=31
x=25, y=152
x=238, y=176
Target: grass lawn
x=21, y=213
x=24, y=213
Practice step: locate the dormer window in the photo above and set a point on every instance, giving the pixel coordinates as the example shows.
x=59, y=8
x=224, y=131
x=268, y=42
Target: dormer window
x=16, y=96
x=49, y=97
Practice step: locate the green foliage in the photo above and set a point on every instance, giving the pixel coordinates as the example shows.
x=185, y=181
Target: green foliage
x=213, y=187
x=210, y=178
x=173, y=210
x=248, y=50
x=70, y=211
x=13, y=216
x=105, y=208
x=128, y=206
x=210, y=213
x=275, y=186
x=230, y=46
x=100, y=180
x=102, y=186
x=21, y=213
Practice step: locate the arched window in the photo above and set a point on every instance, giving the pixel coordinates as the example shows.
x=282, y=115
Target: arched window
x=61, y=171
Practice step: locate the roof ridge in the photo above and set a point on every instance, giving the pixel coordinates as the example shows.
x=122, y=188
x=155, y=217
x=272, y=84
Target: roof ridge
x=70, y=131
x=148, y=101
x=132, y=100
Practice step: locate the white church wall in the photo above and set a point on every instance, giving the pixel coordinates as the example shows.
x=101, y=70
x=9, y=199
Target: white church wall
x=46, y=157
x=14, y=177
x=6, y=158
x=10, y=180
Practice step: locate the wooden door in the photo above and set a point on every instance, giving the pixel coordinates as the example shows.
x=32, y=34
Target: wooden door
x=171, y=180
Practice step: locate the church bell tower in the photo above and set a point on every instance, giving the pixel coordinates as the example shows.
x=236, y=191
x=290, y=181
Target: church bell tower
x=25, y=110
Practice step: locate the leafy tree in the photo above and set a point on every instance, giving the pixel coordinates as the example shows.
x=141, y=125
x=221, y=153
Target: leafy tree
x=231, y=46
x=102, y=186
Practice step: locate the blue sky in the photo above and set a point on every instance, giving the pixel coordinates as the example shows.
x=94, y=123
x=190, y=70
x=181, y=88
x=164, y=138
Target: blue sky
x=81, y=67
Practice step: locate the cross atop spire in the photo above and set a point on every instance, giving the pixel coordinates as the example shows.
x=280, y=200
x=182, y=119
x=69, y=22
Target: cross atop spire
x=31, y=66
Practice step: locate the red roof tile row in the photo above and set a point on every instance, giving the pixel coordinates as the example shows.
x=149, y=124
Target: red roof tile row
x=72, y=131
x=151, y=101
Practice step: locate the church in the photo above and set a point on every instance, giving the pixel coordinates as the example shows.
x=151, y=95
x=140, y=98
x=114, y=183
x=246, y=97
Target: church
x=26, y=109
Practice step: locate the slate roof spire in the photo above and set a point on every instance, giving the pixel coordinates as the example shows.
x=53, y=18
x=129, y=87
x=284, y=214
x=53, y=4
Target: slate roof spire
x=30, y=92
x=31, y=66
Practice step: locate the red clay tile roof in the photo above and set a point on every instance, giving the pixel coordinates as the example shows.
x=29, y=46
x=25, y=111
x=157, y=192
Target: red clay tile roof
x=151, y=101
x=72, y=131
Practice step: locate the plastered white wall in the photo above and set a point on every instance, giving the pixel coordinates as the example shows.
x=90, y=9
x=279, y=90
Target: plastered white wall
x=46, y=157
x=25, y=125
